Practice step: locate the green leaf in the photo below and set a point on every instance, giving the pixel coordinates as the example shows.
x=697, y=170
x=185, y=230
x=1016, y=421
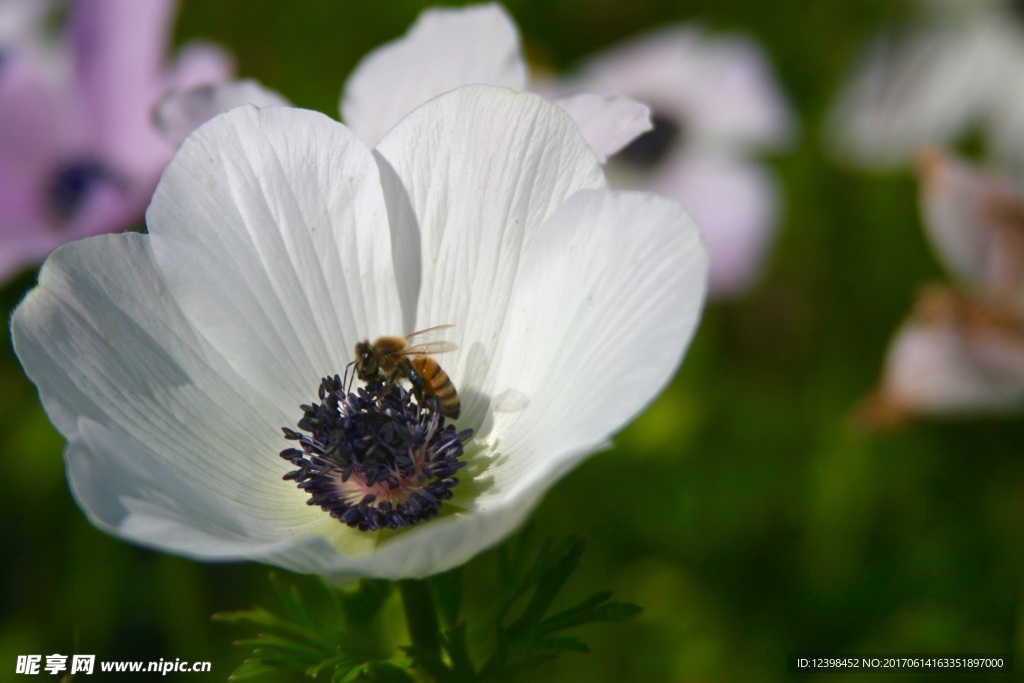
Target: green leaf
x=338, y=636
x=447, y=589
x=556, y=563
x=251, y=668
x=292, y=601
x=532, y=579
x=384, y=672
x=429, y=662
x=594, y=609
x=363, y=602
x=266, y=620
x=569, y=643
x=454, y=643
x=333, y=635
x=270, y=645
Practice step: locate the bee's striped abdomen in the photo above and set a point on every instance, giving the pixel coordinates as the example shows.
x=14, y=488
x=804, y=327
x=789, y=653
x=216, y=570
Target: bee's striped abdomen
x=437, y=383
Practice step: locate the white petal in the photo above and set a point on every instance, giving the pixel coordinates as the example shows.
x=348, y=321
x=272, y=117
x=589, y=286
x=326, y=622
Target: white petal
x=168, y=446
x=180, y=112
x=446, y=542
x=973, y=221
x=469, y=179
x=1007, y=141
x=962, y=10
x=129, y=492
x=1007, y=116
x=110, y=346
x=271, y=230
x=444, y=49
x=607, y=123
x=605, y=303
x=636, y=299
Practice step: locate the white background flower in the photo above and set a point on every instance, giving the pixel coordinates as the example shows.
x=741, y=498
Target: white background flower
x=955, y=70
x=277, y=240
x=961, y=350
x=956, y=355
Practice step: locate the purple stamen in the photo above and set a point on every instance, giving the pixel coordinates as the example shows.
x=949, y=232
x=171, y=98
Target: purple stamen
x=374, y=459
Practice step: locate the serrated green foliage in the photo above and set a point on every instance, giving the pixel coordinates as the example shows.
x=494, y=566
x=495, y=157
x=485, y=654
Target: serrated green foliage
x=342, y=641
x=531, y=579
x=337, y=642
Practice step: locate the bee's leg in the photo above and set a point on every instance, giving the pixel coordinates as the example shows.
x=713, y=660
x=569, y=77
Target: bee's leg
x=417, y=384
x=424, y=399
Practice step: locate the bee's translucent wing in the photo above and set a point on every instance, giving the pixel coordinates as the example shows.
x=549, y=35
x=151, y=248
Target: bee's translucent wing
x=428, y=348
x=421, y=336
x=422, y=342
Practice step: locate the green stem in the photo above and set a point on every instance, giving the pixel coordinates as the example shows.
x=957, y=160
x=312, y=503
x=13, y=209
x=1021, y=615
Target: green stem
x=421, y=615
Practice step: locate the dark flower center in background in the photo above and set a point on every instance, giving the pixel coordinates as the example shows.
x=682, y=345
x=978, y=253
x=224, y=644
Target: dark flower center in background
x=651, y=147
x=1017, y=7
x=374, y=458
x=70, y=185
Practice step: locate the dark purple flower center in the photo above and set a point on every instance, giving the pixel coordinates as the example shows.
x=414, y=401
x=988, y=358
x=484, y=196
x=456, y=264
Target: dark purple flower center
x=374, y=458
x=650, y=148
x=70, y=185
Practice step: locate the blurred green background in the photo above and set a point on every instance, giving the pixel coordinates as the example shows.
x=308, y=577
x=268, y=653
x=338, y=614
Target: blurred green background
x=740, y=510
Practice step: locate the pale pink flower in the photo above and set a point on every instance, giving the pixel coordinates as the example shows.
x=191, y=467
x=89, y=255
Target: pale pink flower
x=715, y=102
x=78, y=152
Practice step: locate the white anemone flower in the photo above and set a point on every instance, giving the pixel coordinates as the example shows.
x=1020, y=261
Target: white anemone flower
x=277, y=240
x=954, y=71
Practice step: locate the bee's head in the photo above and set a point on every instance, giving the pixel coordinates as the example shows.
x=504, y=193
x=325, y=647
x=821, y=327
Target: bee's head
x=366, y=361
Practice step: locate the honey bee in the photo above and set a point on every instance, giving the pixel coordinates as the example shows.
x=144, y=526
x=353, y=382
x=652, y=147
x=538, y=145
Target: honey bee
x=390, y=359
